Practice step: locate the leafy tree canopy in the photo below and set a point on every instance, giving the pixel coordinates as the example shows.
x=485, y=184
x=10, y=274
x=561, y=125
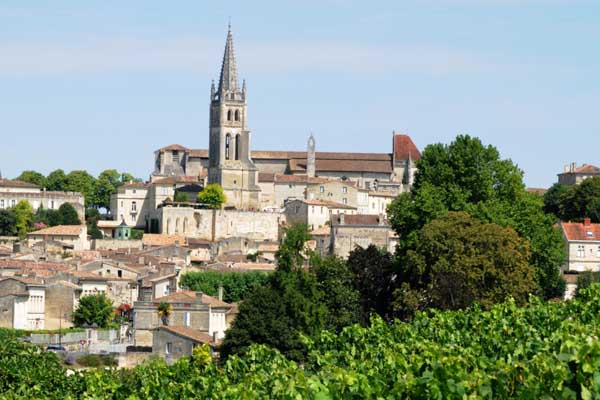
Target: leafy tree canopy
x=33, y=177
x=93, y=309
x=468, y=176
x=292, y=251
x=68, y=215
x=7, y=223
x=212, y=195
x=57, y=180
x=23, y=217
x=236, y=285
x=459, y=260
x=574, y=203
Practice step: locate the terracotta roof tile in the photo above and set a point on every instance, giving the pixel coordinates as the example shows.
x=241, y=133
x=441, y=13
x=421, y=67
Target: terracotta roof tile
x=343, y=165
x=190, y=333
x=356, y=219
x=280, y=178
x=63, y=230
x=266, y=177
x=319, y=155
x=17, y=184
x=171, y=180
x=201, y=153
x=581, y=231
x=405, y=147
x=27, y=281
x=158, y=239
x=329, y=204
x=186, y=296
x=587, y=169
x=135, y=185
x=174, y=147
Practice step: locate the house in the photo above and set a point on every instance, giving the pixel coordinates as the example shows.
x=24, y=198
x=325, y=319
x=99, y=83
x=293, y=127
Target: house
x=173, y=342
x=314, y=213
x=22, y=303
x=72, y=236
x=342, y=192
x=583, y=246
x=574, y=175
x=62, y=298
x=188, y=309
x=350, y=231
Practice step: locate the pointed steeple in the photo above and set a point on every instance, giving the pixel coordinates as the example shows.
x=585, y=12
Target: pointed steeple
x=228, y=82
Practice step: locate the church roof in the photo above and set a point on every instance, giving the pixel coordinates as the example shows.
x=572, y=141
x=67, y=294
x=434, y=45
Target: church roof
x=228, y=81
x=404, y=148
x=343, y=165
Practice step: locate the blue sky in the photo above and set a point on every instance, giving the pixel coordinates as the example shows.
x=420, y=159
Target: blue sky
x=102, y=84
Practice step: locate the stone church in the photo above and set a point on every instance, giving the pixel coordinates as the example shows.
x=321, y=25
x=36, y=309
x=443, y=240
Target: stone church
x=243, y=172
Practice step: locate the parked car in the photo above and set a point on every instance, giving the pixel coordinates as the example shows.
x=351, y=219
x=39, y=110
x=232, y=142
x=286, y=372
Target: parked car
x=56, y=349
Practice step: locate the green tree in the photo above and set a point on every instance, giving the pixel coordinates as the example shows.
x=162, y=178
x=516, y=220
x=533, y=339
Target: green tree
x=554, y=199
x=468, y=176
x=180, y=197
x=81, y=181
x=107, y=184
x=459, y=260
x=33, y=177
x=23, y=217
x=292, y=252
x=93, y=309
x=236, y=285
x=212, y=195
x=341, y=298
x=374, y=278
x=8, y=223
x=582, y=201
x=164, y=311
x=68, y=215
x=57, y=180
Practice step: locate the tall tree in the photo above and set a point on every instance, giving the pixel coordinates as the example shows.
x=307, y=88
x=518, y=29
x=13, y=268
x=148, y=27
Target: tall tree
x=554, y=199
x=212, y=195
x=7, y=223
x=23, y=217
x=468, y=176
x=93, y=309
x=374, y=278
x=81, y=181
x=459, y=260
x=33, y=177
x=292, y=252
x=582, y=201
x=107, y=184
x=57, y=180
x=68, y=215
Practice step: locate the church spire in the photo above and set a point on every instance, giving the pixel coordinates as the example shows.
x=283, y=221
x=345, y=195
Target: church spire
x=228, y=82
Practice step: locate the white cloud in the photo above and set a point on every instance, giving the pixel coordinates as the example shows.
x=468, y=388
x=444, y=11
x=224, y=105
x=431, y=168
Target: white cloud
x=192, y=54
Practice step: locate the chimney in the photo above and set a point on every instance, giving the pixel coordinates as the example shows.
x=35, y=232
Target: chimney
x=573, y=166
x=587, y=222
x=221, y=292
x=199, y=297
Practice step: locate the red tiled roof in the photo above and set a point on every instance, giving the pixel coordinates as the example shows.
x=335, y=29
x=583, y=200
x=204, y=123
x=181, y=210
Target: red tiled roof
x=62, y=230
x=319, y=155
x=177, y=147
x=201, y=153
x=587, y=169
x=266, y=177
x=135, y=185
x=170, y=180
x=403, y=147
x=343, y=165
x=280, y=178
x=327, y=203
x=190, y=333
x=581, y=231
x=15, y=183
x=356, y=219
x=33, y=265
x=185, y=296
x=159, y=240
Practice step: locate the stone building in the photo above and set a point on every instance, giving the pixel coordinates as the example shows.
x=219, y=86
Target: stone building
x=73, y=236
x=131, y=203
x=22, y=303
x=583, y=246
x=314, y=214
x=350, y=231
x=13, y=191
x=340, y=191
x=194, y=310
x=574, y=175
x=173, y=342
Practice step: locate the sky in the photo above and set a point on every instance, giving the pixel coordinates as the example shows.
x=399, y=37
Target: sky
x=102, y=84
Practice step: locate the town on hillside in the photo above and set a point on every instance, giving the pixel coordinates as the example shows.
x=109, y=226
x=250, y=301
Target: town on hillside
x=130, y=270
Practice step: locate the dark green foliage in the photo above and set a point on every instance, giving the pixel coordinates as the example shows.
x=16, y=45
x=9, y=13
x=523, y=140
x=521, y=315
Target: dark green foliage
x=574, y=203
x=236, y=285
x=57, y=180
x=459, y=260
x=181, y=197
x=547, y=350
x=97, y=360
x=586, y=279
x=374, y=278
x=7, y=223
x=137, y=234
x=341, y=298
x=68, y=215
x=94, y=232
x=93, y=309
x=468, y=176
x=292, y=251
x=33, y=177
x=277, y=314
x=213, y=196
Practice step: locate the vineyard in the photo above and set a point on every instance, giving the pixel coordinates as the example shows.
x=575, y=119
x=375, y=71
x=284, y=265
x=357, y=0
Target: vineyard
x=543, y=350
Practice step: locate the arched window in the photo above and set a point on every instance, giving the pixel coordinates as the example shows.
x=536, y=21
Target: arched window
x=229, y=115
x=227, y=145
x=237, y=115
x=168, y=226
x=185, y=224
x=177, y=226
x=237, y=146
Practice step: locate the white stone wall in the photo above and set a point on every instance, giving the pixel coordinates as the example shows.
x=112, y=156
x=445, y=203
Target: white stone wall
x=122, y=206
x=583, y=256
x=48, y=200
x=285, y=191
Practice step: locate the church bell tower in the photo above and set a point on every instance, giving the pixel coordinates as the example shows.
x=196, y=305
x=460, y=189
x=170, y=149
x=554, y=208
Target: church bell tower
x=230, y=164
